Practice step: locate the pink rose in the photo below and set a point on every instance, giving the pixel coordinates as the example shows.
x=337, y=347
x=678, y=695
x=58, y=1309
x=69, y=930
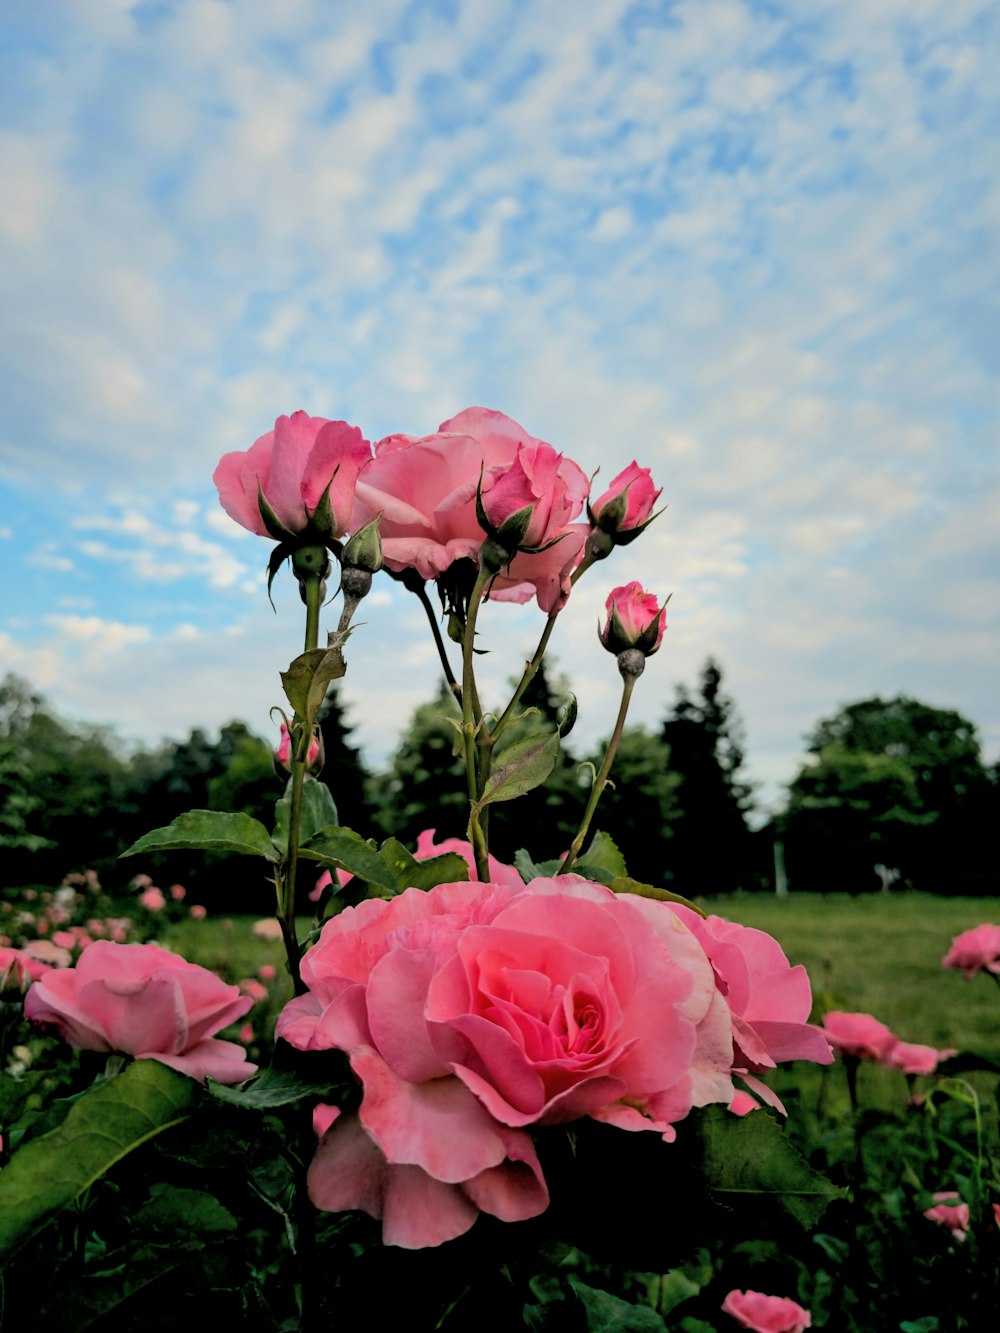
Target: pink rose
x=859, y=1035
x=766, y=1314
x=152, y=899
x=283, y=754
x=912, y=1058
x=635, y=620
x=769, y=1000
x=177, y=892
x=974, y=950
x=426, y=490
x=197, y=912
x=472, y=1011
x=302, y=462
x=145, y=1002
x=625, y=507
x=950, y=1212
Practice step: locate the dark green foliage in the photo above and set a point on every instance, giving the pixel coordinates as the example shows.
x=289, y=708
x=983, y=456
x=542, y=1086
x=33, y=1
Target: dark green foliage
x=896, y=782
x=711, y=848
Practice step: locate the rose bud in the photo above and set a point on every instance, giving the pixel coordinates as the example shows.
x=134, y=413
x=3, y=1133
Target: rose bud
x=625, y=509
x=635, y=621
x=283, y=754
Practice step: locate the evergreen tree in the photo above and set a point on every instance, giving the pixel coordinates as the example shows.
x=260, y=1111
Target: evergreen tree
x=640, y=810
x=711, y=850
x=425, y=785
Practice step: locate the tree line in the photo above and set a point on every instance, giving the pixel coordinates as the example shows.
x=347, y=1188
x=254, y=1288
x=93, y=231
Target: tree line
x=889, y=790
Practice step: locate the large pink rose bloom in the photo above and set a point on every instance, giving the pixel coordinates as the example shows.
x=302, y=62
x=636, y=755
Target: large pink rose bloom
x=766, y=1314
x=473, y=1011
x=146, y=1002
x=974, y=950
x=769, y=1000
x=295, y=465
x=426, y=490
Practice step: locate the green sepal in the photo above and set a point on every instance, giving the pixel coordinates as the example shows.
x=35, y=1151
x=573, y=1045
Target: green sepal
x=114, y=1117
x=567, y=716
x=323, y=520
x=272, y=522
x=209, y=830
x=520, y=768
x=278, y=557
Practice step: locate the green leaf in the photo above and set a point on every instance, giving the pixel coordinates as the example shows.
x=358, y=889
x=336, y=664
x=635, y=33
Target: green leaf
x=626, y=885
x=342, y=847
x=274, y=1087
x=115, y=1117
x=308, y=676
x=676, y=1288
x=211, y=830
x=183, y=1210
x=602, y=861
x=529, y=869
x=410, y=873
x=318, y=811
x=610, y=1314
x=521, y=767
x=750, y=1157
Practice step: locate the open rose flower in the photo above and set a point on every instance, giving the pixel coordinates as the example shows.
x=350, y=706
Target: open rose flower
x=635, y=619
x=624, y=510
x=950, y=1212
x=145, y=1002
x=769, y=1000
x=474, y=1011
x=306, y=470
x=766, y=1314
x=859, y=1035
x=974, y=950
x=426, y=490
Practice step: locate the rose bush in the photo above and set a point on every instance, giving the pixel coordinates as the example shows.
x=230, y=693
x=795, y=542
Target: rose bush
x=297, y=467
x=145, y=1002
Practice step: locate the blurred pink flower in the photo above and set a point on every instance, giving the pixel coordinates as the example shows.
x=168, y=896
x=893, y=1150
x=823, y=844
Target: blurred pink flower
x=252, y=987
x=859, y=1035
x=198, y=912
x=950, y=1212
x=267, y=972
x=267, y=929
x=912, y=1058
x=974, y=950
x=177, y=892
x=766, y=1314
x=145, y=1002
x=152, y=899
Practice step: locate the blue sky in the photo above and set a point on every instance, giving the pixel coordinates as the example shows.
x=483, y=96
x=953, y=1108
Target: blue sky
x=753, y=246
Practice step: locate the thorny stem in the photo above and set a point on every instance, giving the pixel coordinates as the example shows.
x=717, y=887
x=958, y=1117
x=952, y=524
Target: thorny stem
x=601, y=780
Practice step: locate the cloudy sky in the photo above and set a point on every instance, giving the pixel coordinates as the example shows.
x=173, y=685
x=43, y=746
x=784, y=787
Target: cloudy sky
x=751, y=245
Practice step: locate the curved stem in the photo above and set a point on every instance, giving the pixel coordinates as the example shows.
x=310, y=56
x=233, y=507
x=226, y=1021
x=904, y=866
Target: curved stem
x=601, y=780
x=471, y=719
x=449, y=675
